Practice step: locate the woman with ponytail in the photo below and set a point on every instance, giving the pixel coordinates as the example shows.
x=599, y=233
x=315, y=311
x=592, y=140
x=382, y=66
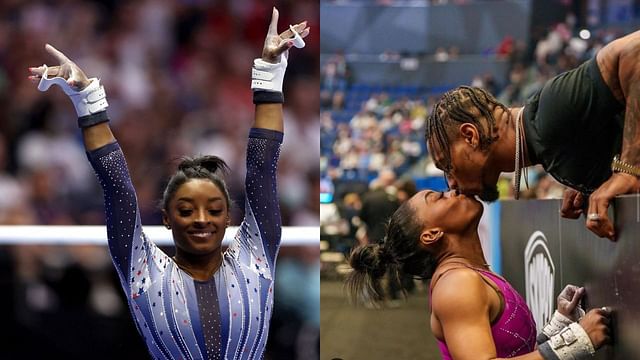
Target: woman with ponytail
x=202, y=303
x=475, y=313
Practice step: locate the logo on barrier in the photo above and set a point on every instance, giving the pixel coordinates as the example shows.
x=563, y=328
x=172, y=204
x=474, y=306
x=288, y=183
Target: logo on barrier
x=539, y=279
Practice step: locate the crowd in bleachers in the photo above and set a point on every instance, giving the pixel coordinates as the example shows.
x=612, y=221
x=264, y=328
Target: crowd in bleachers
x=176, y=75
x=177, y=78
x=369, y=127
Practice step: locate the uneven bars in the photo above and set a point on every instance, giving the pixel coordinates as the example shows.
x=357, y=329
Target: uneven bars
x=97, y=235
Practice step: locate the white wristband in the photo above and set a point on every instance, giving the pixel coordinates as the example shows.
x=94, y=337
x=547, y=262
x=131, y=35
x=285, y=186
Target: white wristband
x=90, y=100
x=571, y=343
x=557, y=323
x=267, y=76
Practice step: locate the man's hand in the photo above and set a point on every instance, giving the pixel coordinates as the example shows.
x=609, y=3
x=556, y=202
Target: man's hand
x=597, y=218
x=68, y=70
x=572, y=202
x=569, y=302
x=274, y=44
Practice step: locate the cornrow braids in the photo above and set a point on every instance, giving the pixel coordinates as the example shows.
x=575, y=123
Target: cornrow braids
x=464, y=104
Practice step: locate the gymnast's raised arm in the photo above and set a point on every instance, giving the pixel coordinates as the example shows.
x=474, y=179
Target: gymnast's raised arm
x=261, y=228
x=105, y=155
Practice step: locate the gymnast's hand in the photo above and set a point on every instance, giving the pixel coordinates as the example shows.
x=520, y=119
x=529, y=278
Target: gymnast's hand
x=596, y=324
x=597, y=217
x=569, y=302
x=275, y=45
x=68, y=70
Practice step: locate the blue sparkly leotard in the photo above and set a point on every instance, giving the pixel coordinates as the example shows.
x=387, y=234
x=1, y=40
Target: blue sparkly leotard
x=226, y=317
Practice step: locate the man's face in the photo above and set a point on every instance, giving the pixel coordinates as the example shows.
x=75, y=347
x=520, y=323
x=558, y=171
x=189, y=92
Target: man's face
x=468, y=172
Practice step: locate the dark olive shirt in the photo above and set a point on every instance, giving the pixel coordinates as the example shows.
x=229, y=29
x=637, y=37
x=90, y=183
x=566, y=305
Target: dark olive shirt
x=573, y=127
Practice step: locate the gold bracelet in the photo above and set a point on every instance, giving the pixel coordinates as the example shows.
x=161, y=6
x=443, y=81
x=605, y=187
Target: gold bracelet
x=618, y=165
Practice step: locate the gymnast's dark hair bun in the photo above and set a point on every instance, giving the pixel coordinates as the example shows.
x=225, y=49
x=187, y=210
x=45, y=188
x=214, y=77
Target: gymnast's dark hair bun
x=210, y=163
x=369, y=263
x=370, y=259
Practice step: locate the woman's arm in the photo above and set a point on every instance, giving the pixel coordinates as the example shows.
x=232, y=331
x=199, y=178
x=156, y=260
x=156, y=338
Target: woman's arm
x=260, y=230
x=269, y=116
x=464, y=317
x=97, y=136
x=268, y=73
x=125, y=238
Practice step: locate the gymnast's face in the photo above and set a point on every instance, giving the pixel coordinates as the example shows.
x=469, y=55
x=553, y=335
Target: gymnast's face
x=450, y=212
x=469, y=171
x=198, y=215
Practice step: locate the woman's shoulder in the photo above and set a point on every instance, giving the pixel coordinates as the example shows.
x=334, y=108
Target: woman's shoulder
x=456, y=289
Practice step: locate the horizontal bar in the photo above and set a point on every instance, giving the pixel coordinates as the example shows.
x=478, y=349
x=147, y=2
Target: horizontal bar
x=97, y=235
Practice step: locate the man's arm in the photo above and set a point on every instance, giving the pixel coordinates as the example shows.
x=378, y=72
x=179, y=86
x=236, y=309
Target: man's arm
x=619, y=64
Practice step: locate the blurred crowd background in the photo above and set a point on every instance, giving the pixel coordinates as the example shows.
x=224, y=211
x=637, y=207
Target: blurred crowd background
x=177, y=76
x=375, y=99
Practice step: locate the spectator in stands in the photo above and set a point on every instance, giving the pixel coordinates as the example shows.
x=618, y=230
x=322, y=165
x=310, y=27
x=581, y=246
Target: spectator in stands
x=475, y=313
x=582, y=127
x=350, y=210
x=378, y=204
x=377, y=207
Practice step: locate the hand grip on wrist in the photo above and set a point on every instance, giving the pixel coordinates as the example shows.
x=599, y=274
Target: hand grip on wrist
x=267, y=76
x=88, y=101
x=557, y=323
x=571, y=343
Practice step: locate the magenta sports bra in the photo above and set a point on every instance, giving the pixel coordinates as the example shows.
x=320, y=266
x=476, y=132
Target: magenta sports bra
x=514, y=332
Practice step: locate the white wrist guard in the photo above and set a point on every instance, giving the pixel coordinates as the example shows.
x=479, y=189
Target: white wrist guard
x=88, y=101
x=267, y=76
x=571, y=343
x=557, y=323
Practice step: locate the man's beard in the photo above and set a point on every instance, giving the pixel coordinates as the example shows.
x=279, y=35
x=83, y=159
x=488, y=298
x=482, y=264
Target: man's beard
x=489, y=193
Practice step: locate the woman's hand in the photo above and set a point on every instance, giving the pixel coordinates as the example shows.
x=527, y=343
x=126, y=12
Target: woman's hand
x=569, y=302
x=274, y=44
x=596, y=324
x=67, y=70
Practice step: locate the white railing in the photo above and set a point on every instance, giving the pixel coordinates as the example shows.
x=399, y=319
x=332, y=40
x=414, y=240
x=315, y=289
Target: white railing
x=97, y=235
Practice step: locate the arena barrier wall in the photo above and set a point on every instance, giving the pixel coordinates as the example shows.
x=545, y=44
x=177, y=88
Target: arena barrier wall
x=542, y=252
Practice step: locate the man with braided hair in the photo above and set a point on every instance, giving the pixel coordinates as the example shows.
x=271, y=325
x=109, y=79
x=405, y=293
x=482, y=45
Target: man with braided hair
x=582, y=127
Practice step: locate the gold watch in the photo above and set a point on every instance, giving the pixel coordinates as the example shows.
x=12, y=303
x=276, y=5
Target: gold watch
x=618, y=165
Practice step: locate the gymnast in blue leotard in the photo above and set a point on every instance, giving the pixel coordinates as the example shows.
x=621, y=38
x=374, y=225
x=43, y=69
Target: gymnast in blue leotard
x=203, y=303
